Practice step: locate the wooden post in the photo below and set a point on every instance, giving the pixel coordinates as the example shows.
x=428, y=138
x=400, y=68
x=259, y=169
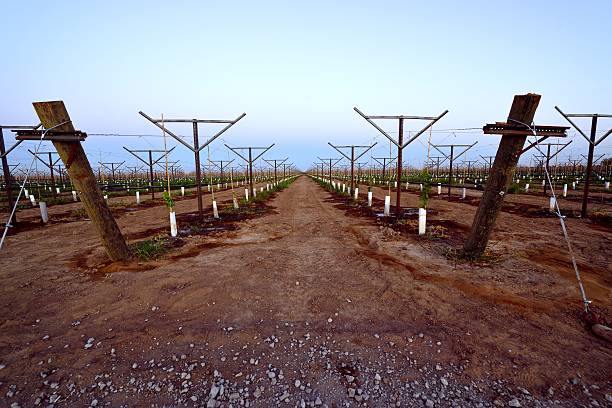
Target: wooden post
x=72, y=154
x=523, y=110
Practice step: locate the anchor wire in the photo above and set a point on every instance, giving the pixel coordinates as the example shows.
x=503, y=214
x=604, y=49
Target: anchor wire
x=586, y=302
x=8, y=225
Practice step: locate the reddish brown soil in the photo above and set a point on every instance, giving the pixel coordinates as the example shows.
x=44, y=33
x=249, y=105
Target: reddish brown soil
x=341, y=294
x=29, y=218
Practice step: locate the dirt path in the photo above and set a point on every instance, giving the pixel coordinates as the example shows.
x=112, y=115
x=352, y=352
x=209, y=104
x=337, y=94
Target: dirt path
x=305, y=304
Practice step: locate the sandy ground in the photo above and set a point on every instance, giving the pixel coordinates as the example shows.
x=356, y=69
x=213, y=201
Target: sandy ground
x=308, y=305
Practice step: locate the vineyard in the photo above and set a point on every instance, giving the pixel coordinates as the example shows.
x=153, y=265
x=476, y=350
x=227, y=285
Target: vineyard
x=272, y=285
x=306, y=204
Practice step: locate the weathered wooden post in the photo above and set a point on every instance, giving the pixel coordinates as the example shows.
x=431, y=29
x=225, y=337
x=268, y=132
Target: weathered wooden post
x=514, y=133
x=67, y=141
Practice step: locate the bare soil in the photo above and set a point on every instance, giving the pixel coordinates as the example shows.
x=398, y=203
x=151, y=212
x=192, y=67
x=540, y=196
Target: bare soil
x=313, y=301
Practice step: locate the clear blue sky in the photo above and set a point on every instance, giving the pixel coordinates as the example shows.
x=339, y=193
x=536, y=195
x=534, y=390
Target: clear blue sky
x=297, y=70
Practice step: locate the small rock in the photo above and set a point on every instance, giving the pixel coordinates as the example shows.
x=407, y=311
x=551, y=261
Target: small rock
x=514, y=403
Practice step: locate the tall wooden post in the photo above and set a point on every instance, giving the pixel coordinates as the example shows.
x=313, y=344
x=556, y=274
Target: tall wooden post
x=523, y=110
x=52, y=114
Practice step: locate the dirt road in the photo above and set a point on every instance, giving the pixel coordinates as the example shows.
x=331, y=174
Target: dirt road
x=302, y=307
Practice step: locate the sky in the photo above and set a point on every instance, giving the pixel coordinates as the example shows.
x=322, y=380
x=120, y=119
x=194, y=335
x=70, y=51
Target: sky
x=297, y=69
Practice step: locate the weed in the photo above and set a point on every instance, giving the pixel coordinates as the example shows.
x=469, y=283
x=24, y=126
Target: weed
x=457, y=255
x=438, y=232
x=513, y=188
x=151, y=248
x=79, y=213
